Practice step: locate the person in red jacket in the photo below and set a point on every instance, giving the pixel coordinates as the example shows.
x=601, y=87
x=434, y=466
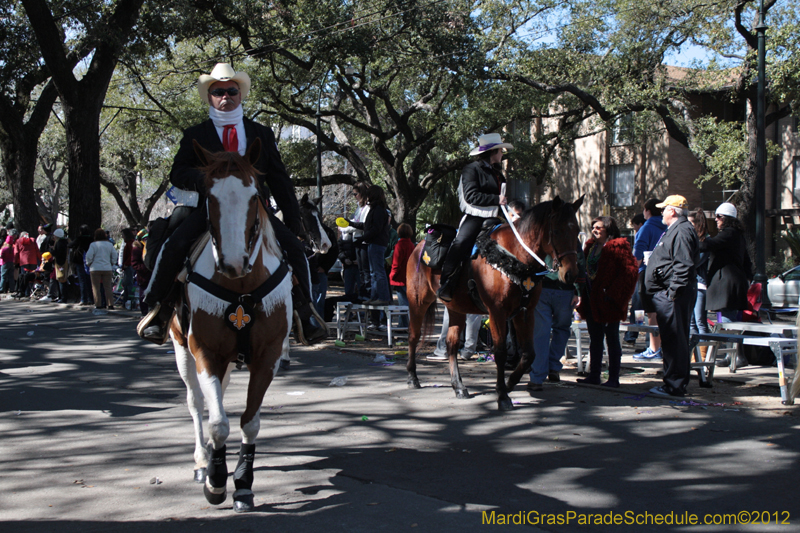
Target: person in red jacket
x=397, y=277
x=27, y=256
x=611, y=278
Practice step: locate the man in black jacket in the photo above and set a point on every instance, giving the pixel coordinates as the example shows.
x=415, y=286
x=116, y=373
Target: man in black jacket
x=671, y=283
x=227, y=129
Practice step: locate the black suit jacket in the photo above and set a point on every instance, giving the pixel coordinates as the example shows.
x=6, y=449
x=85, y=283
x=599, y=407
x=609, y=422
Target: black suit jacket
x=274, y=181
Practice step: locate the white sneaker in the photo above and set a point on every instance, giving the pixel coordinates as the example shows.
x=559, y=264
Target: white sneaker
x=466, y=356
x=45, y=299
x=435, y=357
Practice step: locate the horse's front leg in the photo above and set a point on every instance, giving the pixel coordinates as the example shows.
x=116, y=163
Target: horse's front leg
x=194, y=401
x=416, y=318
x=523, y=328
x=499, y=329
x=211, y=380
x=457, y=325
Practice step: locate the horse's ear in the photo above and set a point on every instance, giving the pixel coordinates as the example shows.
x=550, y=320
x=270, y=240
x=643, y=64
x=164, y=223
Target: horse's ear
x=557, y=203
x=304, y=199
x=202, y=154
x=317, y=201
x=253, y=152
x=578, y=203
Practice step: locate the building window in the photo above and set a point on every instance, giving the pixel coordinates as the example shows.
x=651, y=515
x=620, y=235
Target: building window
x=623, y=179
x=622, y=131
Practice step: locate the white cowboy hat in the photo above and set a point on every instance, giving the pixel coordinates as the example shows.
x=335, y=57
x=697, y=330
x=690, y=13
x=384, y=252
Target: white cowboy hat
x=223, y=72
x=490, y=141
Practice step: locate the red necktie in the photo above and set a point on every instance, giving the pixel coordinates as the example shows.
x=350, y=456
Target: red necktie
x=230, y=141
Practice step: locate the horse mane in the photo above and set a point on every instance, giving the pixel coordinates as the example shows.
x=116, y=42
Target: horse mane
x=534, y=217
x=224, y=164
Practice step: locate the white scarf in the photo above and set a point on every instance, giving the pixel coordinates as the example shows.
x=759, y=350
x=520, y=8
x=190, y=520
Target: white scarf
x=224, y=118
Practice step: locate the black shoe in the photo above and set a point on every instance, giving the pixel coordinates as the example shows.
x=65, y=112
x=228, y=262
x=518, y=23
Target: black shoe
x=534, y=387
x=154, y=333
x=553, y=377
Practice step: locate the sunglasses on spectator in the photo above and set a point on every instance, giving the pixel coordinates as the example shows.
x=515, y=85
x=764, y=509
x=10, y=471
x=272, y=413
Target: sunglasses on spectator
x=598, y=228
x=219, y=93
x=718, y=216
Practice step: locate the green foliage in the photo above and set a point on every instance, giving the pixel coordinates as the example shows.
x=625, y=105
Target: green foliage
x=792, y=238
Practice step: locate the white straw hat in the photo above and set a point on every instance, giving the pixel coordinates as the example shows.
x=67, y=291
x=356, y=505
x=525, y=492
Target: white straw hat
x=490, y=141
x=223, y=72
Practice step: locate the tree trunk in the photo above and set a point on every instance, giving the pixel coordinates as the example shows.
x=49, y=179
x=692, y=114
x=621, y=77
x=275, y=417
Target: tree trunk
x=83, y=161
x=19, y=164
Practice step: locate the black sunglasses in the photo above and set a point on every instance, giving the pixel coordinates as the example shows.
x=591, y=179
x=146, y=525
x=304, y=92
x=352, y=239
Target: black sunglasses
x=231, y=91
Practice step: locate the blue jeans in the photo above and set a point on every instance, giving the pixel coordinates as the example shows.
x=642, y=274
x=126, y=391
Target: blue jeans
x=85, y=284
x=318, y=293
x=553, y=314
x=727, y=315
x=698, y=323
x=350, y=275
x=379, y=288
x=402, y=299
x=6, y=277
x=471, y=330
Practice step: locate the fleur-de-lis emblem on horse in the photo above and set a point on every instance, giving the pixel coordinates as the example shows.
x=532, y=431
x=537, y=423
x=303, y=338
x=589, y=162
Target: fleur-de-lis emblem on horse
x=426, y=258
x=239, y=319
x=528, y=284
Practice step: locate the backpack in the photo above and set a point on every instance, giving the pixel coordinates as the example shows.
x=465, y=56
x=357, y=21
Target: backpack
x=438, y=238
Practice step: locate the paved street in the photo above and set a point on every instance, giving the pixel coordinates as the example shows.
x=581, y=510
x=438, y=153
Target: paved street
x=96, y=437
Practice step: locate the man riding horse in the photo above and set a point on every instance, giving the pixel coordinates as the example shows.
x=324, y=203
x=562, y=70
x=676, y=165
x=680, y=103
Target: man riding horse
x=227, y=129
x=479, y=198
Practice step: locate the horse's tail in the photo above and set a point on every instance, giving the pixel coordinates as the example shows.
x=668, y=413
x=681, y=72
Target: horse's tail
x=429, y=321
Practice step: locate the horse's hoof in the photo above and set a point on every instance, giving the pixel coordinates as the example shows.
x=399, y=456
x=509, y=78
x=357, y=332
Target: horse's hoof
x=200, y=475
x=214, y=498
x=243, y=503
x=462, y=394
x=414, y=384
x=505, y=404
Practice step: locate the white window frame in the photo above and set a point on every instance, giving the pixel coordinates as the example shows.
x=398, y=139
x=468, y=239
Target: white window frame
x=622, y=198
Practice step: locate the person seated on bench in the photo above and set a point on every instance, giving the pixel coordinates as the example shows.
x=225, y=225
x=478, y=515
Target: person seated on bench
x=479, y=198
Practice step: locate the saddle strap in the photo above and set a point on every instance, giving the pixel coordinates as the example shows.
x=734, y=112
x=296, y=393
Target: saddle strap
x=232, y=297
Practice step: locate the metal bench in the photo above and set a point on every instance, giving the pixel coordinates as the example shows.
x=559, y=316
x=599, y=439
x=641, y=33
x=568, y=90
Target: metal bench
x=348, y=318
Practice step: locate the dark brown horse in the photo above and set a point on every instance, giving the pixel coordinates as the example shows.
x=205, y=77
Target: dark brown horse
x=508, y=287
x=238, y=308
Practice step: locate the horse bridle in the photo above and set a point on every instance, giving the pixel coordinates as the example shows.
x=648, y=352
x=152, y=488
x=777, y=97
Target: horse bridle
x=557, y=257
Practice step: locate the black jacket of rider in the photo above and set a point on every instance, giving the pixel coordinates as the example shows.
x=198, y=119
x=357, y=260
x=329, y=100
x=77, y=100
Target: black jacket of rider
x=274, y=181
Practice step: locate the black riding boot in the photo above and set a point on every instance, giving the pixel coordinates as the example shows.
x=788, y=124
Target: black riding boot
x=447, y=284
x=154, y=326
x=305, y=331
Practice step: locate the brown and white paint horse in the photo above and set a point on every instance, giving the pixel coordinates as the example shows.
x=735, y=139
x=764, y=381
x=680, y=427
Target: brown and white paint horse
x=239, y=260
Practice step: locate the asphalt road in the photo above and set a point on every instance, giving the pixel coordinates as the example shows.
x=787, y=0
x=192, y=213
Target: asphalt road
x=96, y=437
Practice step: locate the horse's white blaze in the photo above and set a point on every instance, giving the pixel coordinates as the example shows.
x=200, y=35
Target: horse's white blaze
x=324, y=241
x=234, y=202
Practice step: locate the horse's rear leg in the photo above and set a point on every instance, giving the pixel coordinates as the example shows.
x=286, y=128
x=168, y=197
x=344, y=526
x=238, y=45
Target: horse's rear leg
x=194, y=401
x=419, y=313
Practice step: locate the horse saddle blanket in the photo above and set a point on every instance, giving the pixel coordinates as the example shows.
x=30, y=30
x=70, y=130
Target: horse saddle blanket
x=438, y=238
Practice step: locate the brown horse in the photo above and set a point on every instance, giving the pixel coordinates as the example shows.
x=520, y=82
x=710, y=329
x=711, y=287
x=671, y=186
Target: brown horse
x=507, y=285
x=237, y=308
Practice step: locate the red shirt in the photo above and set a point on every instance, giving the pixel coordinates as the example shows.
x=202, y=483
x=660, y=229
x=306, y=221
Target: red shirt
x=402, y=251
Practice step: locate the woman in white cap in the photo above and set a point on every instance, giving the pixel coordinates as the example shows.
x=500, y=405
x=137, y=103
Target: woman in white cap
x=227, y=129
x=729, y=268
x=479, y=198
